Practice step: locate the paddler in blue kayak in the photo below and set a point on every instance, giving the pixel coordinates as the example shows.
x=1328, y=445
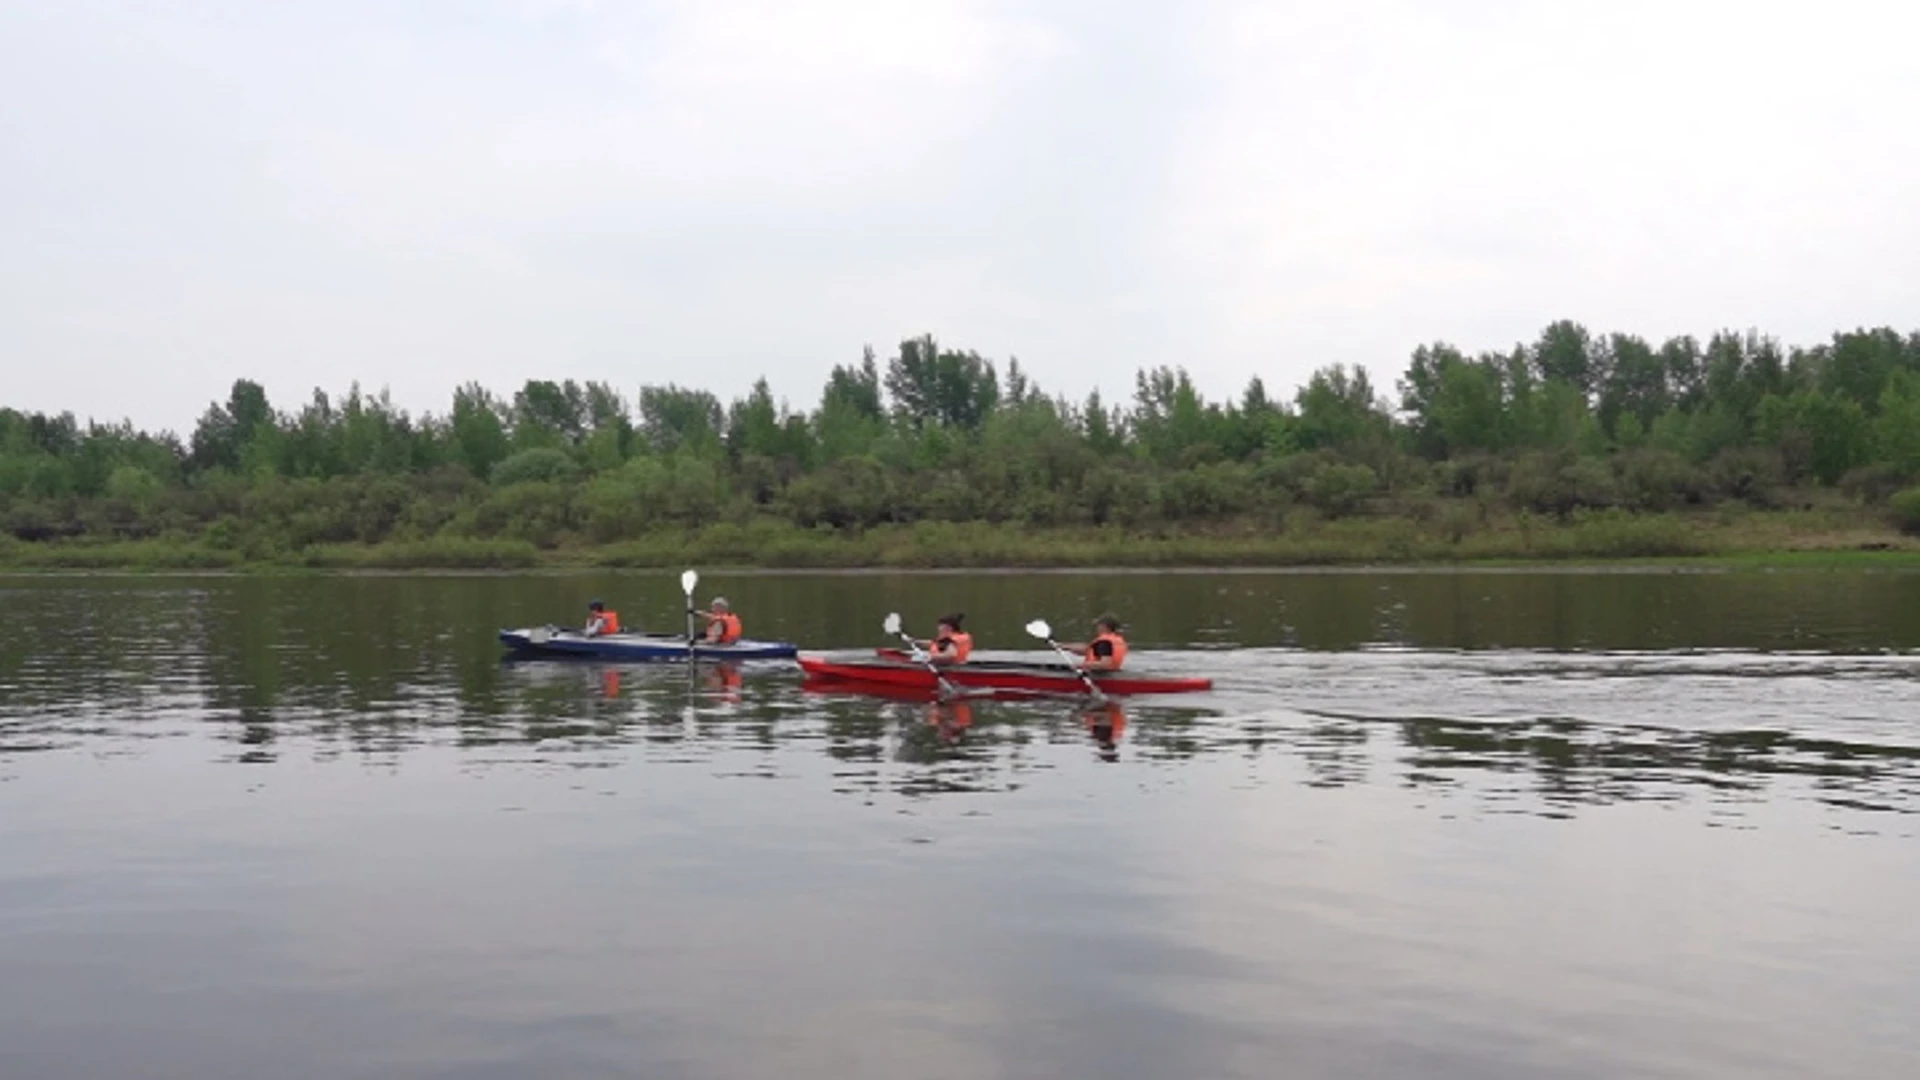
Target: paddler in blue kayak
x=723, y=626
x=1106, y=652
x=600, y=620
x=950, y=644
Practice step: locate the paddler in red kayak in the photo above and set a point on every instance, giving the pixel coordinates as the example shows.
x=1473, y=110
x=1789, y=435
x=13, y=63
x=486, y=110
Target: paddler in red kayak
x=1107, y=651
x=950, y=644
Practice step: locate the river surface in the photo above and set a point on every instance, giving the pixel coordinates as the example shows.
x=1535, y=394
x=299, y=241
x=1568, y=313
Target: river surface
x=1474, y=825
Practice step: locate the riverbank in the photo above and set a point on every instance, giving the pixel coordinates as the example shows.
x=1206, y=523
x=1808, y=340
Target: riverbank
x=1724, y=536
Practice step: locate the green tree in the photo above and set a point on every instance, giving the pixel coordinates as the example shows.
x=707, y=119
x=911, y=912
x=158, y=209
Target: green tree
x=1636, y=384
x=1104, y=429
x=1816, y=433
x=1170, y=422
x=477, y=429
x=1896, y=431
x=1565, y=353
x=1337, y=409
x=929, y=386
x=673, y=418
x=550, y=414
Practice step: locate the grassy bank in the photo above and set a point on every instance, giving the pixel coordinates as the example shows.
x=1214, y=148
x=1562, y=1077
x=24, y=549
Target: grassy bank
x=1454, y=535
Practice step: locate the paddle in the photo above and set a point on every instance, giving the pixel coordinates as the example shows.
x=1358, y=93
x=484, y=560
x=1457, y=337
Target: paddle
x=892, y=626
x=688, y=580
x=1039, y=628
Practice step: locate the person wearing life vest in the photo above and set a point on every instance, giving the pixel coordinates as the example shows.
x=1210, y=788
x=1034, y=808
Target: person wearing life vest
x=950, y=644
x=600, y=620
x=1107, y=651
x=723, y=626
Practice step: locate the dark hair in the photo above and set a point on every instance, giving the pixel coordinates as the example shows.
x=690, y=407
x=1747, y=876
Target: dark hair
x=1110, y=622
x=954, y=620
x=595, y=605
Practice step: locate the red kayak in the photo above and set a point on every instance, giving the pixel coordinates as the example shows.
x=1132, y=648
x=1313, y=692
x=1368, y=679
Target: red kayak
x=893, y=668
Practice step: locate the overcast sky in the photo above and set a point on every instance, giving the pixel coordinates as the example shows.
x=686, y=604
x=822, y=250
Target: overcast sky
x=418, y=195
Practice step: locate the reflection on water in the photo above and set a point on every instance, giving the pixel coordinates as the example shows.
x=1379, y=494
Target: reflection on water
x=1448, y=824
x=1576, y=729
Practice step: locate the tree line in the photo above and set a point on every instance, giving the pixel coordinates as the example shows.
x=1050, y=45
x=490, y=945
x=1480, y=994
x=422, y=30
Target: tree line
x=1568, y=421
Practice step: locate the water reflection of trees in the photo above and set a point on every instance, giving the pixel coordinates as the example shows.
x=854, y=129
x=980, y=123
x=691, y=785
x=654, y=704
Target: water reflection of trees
x=1572, y=763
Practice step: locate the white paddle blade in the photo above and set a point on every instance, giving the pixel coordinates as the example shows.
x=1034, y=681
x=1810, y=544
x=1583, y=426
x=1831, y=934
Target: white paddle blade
x=688, y=581
x=1039, y=628
x=892, y=625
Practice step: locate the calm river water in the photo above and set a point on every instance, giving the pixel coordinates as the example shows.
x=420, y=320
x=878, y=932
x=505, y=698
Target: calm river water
x=1471, y=825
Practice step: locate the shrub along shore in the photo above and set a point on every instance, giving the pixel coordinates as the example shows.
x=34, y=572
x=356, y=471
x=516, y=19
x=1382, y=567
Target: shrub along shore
x=1575, y=446
x=1443, y=533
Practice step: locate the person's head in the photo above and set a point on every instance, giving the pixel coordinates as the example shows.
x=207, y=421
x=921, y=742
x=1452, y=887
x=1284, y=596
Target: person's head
x=595, y=605
x=720, y=603
x=1107, y=624
x=951, y=623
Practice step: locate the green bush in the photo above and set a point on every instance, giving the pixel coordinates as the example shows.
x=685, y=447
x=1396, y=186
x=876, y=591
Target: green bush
x=440, y=553
x=1658, y=480
x=1470, y=475
x=1874, y=483
x=1223, y=489
x=1560, y=483
x=133, y=484
x=1618, y=534
x=1905, y=506
x=1750, y=474
x=1338, y=490
x=543, y=463
x=536, y=512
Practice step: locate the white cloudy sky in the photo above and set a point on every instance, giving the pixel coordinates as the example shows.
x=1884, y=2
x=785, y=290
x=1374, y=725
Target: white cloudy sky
x=414, y=195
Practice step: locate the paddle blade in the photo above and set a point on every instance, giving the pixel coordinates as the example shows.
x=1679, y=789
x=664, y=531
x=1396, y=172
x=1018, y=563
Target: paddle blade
x=892, y=625
x=1039, y=628
x=688, y=581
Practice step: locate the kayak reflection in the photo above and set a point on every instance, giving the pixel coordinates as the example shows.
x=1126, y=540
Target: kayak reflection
x=950, y=719
x=722, y=681
x=711, y=681
x=1105, y=721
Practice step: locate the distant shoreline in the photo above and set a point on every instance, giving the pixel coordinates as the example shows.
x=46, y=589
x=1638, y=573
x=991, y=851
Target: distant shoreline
x=1582, y=542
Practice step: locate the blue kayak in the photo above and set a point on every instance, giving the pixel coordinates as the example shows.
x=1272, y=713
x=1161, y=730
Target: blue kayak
x=555, y=642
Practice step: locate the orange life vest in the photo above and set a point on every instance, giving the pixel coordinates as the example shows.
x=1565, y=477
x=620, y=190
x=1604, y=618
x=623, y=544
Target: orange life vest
x=1119, y=649
x=729, y=626
x=961, y=645
x=609, y=621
